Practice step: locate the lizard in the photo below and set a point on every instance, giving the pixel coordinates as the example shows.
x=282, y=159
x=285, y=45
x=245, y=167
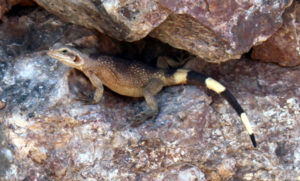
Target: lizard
x=135, y=79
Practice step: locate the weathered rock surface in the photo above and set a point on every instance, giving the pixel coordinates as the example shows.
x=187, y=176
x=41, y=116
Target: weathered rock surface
x=47, y=135
x=215, y=30
x=283, y=47
x=123, y=20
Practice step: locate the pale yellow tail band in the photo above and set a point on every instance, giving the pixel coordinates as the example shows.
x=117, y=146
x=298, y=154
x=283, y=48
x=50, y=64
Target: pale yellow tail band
x=214, y=85
x=180, y=76
x=246, y=123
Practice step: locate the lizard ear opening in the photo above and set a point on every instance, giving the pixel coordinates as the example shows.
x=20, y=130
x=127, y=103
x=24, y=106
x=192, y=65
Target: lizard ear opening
x=77, y=60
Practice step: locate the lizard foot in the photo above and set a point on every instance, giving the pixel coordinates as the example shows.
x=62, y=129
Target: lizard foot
x=143, y=117
x=87, y=101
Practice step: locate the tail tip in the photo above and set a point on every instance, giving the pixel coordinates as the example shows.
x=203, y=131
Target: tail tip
x=253, y=140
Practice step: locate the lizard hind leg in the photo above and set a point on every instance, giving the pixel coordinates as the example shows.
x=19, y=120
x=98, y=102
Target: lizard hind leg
x=153, y=87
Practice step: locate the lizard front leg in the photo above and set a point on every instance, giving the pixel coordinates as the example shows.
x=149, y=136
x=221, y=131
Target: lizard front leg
x=97, y=83
x=152, y=88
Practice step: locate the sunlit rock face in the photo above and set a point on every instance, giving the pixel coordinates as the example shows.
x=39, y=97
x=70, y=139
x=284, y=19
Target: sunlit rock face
x=215, y=31
x=46, y=134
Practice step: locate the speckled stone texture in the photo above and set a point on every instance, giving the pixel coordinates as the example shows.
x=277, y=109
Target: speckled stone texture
x=283, y=47
x=214, y=30
x=45, y=134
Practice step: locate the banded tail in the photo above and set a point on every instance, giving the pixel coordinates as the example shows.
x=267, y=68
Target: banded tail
x=182, y=76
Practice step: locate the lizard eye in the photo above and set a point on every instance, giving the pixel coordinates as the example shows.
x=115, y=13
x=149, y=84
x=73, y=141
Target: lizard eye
x=64, y=51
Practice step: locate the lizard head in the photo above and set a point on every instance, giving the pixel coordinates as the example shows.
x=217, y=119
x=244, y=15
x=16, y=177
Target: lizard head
x=67, y=55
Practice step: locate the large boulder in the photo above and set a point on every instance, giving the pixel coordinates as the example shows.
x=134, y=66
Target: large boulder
x=215, y=31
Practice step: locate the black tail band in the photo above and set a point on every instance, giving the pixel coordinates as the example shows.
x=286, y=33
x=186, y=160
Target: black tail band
x=196, y=78
x=232, y=101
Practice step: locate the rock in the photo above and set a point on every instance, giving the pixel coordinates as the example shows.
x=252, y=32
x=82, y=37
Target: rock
x=218, y=31
x=2, y=104
x=215, y=31
x=177, y=172
x=45, y=134
x=227, y=168
x=6, y=5
x=123, y=20
x=18, y=33
x=283, y=47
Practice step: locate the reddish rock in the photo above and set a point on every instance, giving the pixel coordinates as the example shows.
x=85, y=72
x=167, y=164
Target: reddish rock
x=283, y=47
x=215, y=31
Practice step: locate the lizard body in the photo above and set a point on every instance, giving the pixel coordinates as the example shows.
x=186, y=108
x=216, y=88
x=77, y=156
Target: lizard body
x=134, y=79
